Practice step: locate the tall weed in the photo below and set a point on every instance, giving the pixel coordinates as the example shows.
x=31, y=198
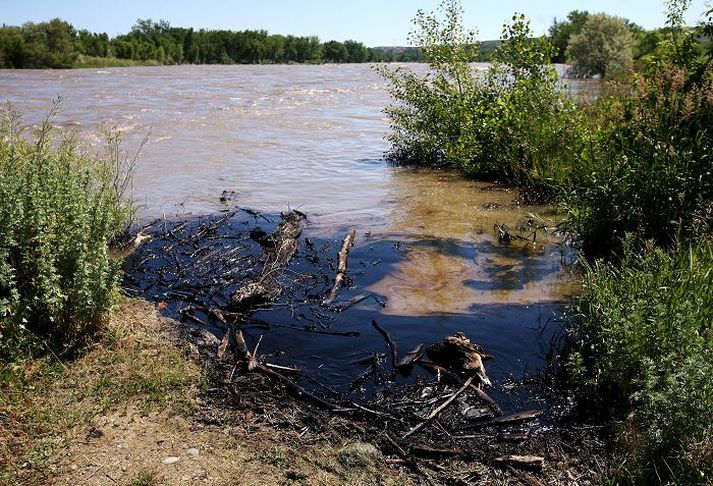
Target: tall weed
x=59, y=207
x=645, y=334
x=648, y=170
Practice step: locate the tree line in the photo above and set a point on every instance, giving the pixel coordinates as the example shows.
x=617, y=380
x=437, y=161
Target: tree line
x=57, y=44
x=593, y=43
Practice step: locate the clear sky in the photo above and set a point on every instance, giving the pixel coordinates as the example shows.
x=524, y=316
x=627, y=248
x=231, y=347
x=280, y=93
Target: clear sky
x=374, y=22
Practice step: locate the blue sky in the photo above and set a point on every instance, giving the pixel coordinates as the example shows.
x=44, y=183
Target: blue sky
x=374, y=22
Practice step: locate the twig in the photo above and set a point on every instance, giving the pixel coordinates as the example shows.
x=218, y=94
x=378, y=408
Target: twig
x=442, y=407
x=389, y=341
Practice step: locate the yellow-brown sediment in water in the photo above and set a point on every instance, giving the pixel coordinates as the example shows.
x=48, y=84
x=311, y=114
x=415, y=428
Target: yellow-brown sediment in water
x=452, y=215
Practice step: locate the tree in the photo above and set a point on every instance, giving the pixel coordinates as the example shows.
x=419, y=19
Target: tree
x=504, y=123
x=603, y=46
x=561, y=32
x=335, y=51
x=357, y=51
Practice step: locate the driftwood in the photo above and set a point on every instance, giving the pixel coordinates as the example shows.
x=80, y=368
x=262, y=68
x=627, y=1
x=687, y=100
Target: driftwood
x=511, y=419
x=458, y=354
x=535, y=463
x=393, y=347
x=407, y=362
x=440, y=408
x=437, y=369
x=277, y=251
x=341, y=268
x=252, y=364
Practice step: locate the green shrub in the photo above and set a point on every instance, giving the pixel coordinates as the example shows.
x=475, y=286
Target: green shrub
x=648, y=169
x=509, y=122
x=645, y=340
x=58, y=209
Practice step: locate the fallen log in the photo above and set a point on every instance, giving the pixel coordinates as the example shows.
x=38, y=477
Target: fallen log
x=341, y=268
x=535, y=463
x=277, y=251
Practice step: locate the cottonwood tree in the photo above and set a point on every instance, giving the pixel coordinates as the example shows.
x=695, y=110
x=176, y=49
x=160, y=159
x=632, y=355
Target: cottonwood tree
x=603, y=46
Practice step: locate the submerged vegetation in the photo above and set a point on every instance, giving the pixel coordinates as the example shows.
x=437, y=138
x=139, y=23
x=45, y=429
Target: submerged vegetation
x=633, y=170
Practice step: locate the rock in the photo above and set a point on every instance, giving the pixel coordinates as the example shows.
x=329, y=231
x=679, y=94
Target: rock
x=359, y=455
x=171, y=460
x=192, y=451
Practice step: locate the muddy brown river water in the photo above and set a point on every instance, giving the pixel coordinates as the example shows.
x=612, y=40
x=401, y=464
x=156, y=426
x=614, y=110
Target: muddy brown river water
x=312, y=138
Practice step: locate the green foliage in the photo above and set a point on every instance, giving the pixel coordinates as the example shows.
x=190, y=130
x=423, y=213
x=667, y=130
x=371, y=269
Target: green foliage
x=646, y=337
x=47, y=44
x=508, y=122
x=432, y=120
x=58, y=209
x=641, y=195
x=57, y=44
x=561, y=32
x=603, y=46
x=646, y=169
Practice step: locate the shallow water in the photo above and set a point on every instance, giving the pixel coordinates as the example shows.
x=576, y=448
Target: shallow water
x=312, y=138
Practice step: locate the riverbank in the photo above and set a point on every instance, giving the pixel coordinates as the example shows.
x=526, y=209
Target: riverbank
x=145, y=405
x=130, y=411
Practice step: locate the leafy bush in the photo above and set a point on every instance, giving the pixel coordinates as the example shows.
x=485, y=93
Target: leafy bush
x=647, y=168
x=646, y=339
x=58, y=209
x=508, y=122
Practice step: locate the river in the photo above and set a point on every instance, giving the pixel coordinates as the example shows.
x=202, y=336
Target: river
x=311, y=137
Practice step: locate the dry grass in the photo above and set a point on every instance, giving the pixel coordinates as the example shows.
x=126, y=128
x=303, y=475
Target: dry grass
x=45, y=404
